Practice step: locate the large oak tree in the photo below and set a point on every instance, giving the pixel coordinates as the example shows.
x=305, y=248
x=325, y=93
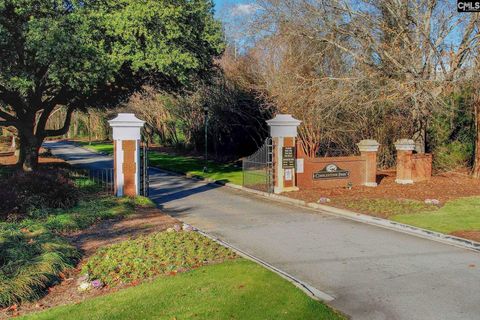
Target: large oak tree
x=79, y=53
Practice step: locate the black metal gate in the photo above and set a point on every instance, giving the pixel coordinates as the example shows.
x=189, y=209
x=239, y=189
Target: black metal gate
x=258, y=168
x=144, y=180
x=99, y=179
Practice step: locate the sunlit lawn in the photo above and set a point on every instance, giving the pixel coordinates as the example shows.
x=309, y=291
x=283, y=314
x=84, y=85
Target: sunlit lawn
x=106, y=147
x=194, y=166
x=187, y=165
x=457, y=215
x=232, y=290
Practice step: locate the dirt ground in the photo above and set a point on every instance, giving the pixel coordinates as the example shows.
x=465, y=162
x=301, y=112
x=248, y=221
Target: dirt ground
x=472, y=235
x=12, y=160
x=144, y=221
x=443, y=187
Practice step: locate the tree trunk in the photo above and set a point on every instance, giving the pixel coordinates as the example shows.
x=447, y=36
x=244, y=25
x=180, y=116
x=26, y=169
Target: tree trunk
x=476, y=164
x=420, y=136
x=29, y=150
x=31, y=139
x=89, y=129
x=420, y=127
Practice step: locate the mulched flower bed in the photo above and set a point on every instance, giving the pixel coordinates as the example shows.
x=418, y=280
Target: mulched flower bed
x=444, y=187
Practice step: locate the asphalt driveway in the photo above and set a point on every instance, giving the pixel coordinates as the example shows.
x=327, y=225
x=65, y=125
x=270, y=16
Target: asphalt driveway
x=372, y=273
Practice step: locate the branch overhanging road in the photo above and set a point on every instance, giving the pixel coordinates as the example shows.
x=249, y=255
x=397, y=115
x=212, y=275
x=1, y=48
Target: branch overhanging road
x=372, y=272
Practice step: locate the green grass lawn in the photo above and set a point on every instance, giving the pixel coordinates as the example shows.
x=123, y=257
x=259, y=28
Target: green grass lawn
x=194, y=167
x=106, y=147
x=187, y=165
x=237, y=289
x=457, y=215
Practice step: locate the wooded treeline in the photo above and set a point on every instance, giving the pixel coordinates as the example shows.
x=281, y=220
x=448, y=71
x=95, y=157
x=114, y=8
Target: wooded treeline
x=349, y=69
x=352, y=70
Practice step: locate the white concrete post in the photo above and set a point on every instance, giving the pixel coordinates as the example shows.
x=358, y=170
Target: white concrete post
x=126, y=138
x=283, y=130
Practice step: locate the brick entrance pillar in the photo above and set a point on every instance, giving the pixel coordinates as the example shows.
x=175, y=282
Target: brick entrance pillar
x=405, y=149
x=369, y=149
x=126, y=146
x=283, y=130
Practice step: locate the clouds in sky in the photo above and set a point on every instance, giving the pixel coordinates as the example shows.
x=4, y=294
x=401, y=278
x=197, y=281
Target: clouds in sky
x=243, y=9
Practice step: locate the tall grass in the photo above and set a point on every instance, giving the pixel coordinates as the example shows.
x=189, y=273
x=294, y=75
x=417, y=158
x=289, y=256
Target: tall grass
x=31, y=259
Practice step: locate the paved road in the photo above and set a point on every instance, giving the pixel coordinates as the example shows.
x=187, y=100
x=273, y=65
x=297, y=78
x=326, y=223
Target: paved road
x=373, y=273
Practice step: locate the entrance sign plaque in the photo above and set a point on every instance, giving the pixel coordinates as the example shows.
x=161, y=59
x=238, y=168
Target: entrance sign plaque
x=288, y=159
x=331, y=171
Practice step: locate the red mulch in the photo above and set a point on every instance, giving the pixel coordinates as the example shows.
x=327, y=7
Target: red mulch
x=472, y=235
x=443, y=187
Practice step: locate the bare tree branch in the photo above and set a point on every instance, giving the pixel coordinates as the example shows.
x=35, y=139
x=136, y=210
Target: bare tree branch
x=64, y=129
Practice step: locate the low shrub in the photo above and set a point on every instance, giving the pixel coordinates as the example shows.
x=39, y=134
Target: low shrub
x=152, y=255
x=87, y=213
x=452, y=156
x=144, y=202
x=28, y=192
x=31, y=259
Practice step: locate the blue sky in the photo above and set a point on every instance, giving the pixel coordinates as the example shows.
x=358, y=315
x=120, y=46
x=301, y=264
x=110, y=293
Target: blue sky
x=220, y=3
x=233, y=6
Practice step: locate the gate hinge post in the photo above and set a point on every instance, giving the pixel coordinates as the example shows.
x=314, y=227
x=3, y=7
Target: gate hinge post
x=126, y=139
x=284, y=131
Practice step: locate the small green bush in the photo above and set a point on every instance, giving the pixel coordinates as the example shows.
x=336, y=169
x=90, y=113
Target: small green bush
x=152, y=255
x=144, y=202
x=452, y=156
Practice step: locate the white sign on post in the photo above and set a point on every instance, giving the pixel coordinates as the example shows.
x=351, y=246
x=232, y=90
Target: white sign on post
x=288, y=174
x=299, y=165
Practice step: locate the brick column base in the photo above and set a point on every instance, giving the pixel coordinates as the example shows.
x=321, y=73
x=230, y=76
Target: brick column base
x=369, y=149
x=405, y=149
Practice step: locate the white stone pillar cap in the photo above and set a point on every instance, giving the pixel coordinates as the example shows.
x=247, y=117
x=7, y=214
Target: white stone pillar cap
x=126, y=126
x=405, y=145
x=126, y=120
x=368, y=145
x=283, y=125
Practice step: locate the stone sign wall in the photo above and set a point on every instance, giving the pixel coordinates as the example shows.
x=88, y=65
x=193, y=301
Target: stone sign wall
x=333, y=172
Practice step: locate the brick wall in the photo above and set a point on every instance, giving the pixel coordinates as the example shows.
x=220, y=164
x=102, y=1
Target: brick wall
x=421, y=167
x=355, y=165
x=129, y=168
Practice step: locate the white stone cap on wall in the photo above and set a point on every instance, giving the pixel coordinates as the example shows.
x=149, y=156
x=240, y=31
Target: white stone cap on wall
x=126, y=126
x=283, y=125
x=368, y=145
x=405, y=145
